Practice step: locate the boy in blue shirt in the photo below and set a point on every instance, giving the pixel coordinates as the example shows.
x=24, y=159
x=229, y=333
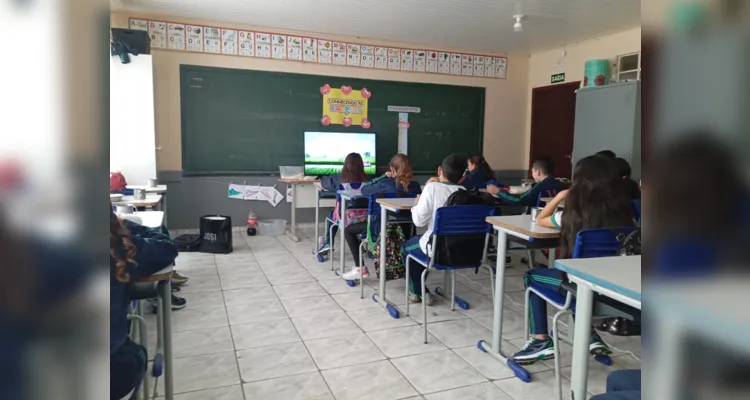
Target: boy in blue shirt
x=541, y=171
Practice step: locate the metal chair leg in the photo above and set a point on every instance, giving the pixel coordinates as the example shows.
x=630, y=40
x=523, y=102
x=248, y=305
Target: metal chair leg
x=406, y=297
x=532, y=260
x=526, y=312
x=556, y=344
x=361, y=270
x=330, y=243
x=424, y=303
x=453, y=289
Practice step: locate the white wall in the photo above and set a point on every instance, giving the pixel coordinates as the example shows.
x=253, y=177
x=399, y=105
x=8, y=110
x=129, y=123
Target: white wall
x=132, y=138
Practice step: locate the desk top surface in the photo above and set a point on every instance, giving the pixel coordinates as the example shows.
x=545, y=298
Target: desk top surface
x=150, y=219
x=151, y=200
x=398, y=203
x=350, y=194
x=523, y=225
x=618, y=274
x=149, y=189
x=299, y=180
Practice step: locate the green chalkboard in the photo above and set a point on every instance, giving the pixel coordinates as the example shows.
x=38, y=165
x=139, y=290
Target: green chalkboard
x=242, y=122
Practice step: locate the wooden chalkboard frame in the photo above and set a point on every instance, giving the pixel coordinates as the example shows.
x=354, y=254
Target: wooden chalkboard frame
x=455, y=113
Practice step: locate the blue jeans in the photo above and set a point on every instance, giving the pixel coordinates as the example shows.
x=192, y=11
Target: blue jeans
x=415, y=268
x=549, y=278
x=622, y=385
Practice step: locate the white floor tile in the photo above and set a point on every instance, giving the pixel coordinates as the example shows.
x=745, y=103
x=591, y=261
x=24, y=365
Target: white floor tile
x=541, y=387
x=482, y=391
x=317, y=327
x=438, y=371
x=249, y=295
x=308, y=386
x=310, y=306
x=299, y=290
x=373, y=381
x=458, y=333
x=223, y=393
x=203, y=372
x=266, y=333
x=256, y=312
x=274, y=361
x=407, y=341
x=378, y=319
x=342, y=351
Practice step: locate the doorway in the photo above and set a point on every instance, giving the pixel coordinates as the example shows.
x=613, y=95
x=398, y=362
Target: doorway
x=553, y=112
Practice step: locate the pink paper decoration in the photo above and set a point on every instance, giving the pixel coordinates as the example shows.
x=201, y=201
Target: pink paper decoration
x=366, y=123
x=366, y=93
x=325, y=89
x=346, y=90
x=347, y=122
x=326, y=120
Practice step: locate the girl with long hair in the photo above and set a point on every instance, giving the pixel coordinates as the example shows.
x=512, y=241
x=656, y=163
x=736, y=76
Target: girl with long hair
x=478, y=173
x=596, y=199
x=352, y=177
x=398, y=179
x=130, y=257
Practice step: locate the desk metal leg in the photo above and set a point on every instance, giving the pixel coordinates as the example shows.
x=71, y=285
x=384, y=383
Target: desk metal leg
x=165, y=291
x=293, y=228
x=380, y=296
x=164, y=208
x=579, y=373
x=317, y=222
x=497, y=321
x=342, y=227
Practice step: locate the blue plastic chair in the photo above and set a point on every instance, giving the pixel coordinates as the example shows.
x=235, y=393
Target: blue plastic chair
x=453, y=223
x=590, y=243
x=546, y=193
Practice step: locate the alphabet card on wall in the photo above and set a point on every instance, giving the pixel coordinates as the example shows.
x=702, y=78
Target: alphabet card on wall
x=212, y=41
x=176, y=36
x=247, y=44
x=195, y=38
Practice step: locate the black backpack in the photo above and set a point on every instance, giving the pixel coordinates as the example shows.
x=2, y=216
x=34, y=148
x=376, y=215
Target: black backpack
x=630, y=244
x=463, y=250
x=470, y=197
x=187, y=242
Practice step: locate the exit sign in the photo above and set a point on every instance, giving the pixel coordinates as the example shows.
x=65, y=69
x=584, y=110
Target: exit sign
x=557, y=78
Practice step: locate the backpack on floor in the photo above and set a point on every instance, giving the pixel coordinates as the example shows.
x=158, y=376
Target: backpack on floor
x=187, y=242
x=630, y=245
x=394, y=239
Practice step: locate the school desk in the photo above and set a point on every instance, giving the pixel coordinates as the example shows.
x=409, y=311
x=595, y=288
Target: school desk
x=151, y=200
x=523, y=229
x=158, y=189
x=320, y=194
x=150, y=219
x=393, y=206
x=618, y=278
x=303, y=187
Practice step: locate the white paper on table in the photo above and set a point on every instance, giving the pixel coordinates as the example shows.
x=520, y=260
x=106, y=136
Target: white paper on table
x=236, y=191
x=288, y=194
x=252, y=193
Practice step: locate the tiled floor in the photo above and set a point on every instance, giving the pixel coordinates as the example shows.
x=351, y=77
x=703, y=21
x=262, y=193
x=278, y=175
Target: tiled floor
x=269, y=322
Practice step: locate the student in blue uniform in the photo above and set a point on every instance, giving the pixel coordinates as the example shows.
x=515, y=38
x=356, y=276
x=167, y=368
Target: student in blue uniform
x=478, y=173
x=130, y=257
x=399, y=178
x=541, y=171
x=631, y=186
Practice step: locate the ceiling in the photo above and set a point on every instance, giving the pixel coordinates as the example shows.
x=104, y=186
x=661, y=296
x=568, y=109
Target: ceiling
x=478, y=25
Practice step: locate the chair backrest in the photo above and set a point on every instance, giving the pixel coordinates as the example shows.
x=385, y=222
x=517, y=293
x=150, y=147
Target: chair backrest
x=545, y=193
x=637, y=210
x=459, y=235
x=373, y=212
x=602, y=242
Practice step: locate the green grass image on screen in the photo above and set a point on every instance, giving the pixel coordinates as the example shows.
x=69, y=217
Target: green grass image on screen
x=323, y=169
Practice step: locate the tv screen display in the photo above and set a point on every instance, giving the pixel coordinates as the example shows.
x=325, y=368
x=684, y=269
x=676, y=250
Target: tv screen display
x=325, y=151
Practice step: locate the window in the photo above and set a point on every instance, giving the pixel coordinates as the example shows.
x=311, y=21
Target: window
x=629, y=67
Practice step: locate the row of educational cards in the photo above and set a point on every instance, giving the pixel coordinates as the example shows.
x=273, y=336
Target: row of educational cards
x=206, y=39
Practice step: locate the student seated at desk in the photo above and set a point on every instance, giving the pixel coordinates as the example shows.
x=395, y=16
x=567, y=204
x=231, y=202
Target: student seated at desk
x=130, y=257
x=436, y=192
x=352, y=176
x=399, y=178
x=597, y=199
x=541, y=171
x=631, y=187
x=477, y=174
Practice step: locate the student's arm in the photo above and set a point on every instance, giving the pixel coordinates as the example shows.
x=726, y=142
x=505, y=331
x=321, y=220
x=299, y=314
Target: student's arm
x=152, y=255
x=527, y=199
x=377, y=185
x=331, y=182
x=422, y=212
x=548, y=217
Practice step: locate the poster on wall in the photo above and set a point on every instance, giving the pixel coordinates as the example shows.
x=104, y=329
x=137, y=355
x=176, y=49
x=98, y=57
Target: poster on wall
x=157, y=31
x=368, y=56
x=175, y=36
x=489, y=67
x=478, y=65
x=263, y=45
x=444, y=63
x=246, y=44
x=467, y=64
x=138, y=25
x=455, y=64
x=381, y=57
x=353, y=57
x=420, y=58
x=229, y=42
x=309, y=50
x=394, y=59
x=194, y=38
x=407, y=59
x=278, y=47
x=345, y=106
x=294, y=48
x=212, y=43
x=339, y=53
x=500, y=67
x=432, y=62
x=325, y=51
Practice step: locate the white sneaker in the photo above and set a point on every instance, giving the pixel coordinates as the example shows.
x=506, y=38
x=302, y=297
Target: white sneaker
x=353, y=275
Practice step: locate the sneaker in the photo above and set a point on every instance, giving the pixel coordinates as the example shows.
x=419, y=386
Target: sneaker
x=178, y=280
x=508, y=261
x=353, y=275
x=597, y=346
x=324, y=248
x=414, y=298
x=535, y=350
x=177, y=301
x=429, y=299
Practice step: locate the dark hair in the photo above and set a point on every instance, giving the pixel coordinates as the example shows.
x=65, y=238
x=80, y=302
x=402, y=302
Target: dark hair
x=482, y=164
x=353, y=169
x=401, y=166
x=544, y=164
x=453, y=167
x=623, y=168
x=597, y=199
x=606, y=153
x=121, y=248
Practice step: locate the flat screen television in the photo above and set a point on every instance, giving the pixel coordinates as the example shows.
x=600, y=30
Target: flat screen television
x=325, y=151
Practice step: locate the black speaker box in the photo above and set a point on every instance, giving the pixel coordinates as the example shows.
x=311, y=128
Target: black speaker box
x=135, y=40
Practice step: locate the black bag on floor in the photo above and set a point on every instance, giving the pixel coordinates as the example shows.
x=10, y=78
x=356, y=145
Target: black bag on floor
x=187, y=242
x=215, y=234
